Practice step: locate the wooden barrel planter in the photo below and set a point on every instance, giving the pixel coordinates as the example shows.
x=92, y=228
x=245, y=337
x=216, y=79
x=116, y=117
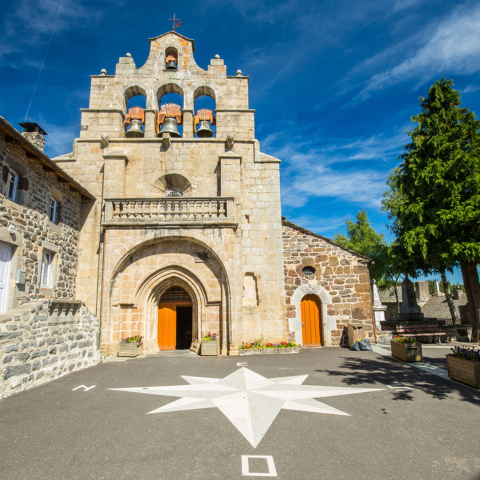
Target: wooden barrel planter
x=128, y=349
x=209, y=348
x=407, y=352
x=464, y=370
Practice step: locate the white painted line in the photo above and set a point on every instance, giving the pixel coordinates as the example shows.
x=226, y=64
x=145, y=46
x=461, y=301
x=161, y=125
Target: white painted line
x=242, y=364
x=396, y=385
x=83, y=386
x=272, y=472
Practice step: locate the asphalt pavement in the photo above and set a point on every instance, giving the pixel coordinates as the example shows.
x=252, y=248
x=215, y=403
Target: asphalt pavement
x=415, y=425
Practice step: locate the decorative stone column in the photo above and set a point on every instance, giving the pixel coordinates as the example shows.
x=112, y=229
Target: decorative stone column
x=378, y=308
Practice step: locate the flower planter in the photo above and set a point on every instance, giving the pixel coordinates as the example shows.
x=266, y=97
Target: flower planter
x=267, y=351
x=128, y=349
x=407, y=352
x=464, y=370
x=209, y=348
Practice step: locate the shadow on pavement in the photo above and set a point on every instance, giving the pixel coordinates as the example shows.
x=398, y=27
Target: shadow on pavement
x=361, y=371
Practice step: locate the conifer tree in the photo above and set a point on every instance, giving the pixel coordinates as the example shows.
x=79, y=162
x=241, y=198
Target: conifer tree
x=434, y=196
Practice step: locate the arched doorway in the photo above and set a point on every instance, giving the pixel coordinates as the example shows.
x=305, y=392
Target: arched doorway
x=311, y=309
x=175, y=320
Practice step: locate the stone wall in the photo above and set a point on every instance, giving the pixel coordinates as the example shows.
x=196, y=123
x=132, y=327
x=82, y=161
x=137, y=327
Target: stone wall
x=38, y=343
x=34, y=232
x=341, y=281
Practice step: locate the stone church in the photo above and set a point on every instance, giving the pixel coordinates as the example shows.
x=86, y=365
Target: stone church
x=185, y=236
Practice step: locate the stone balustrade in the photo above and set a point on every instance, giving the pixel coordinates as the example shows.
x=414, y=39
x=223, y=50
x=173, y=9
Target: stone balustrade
x=199, y=210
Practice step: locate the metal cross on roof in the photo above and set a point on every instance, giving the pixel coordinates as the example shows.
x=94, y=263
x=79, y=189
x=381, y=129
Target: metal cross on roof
x=176, y=22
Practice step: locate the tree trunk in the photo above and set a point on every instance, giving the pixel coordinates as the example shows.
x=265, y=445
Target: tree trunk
x=396, y=295
x=472, y=289
x=448, y=296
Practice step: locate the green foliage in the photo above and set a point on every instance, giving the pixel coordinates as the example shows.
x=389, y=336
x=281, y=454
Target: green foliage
x=400, y=339
x=259, y=343
x=434, y=197
x=363, y=239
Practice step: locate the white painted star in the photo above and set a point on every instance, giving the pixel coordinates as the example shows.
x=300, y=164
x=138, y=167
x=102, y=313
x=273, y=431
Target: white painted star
x=251, y=402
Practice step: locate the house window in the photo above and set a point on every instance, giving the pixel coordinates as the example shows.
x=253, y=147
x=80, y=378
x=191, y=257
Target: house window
x=46, y=269
x=12, y=185
x=53, y=210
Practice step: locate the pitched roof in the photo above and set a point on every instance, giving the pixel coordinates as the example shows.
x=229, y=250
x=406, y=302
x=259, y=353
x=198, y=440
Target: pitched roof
x=36, y=154
x=178, y=35
x=331, y=242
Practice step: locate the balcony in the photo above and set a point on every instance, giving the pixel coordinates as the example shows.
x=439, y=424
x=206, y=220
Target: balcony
x=190, y=211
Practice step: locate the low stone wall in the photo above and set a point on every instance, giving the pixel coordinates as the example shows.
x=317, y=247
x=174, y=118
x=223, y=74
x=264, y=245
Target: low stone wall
x=267, y=351
x=38, y=345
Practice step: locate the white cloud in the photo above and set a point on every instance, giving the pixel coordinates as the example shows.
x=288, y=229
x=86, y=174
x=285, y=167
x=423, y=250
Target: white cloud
x=321, y=225
x=31, y=23
x=353, y=172
x=470, y=89
x=403, y=4
x=451, y=47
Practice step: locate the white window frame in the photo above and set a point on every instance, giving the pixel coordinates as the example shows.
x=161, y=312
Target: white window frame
x=46, y=273
x=12, y=173
x=52, y=214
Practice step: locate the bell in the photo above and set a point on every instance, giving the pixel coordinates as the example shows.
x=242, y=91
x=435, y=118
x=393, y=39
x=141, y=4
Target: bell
x=170, y=126
x=171, y=65
x=135, y=130
x=204, y=131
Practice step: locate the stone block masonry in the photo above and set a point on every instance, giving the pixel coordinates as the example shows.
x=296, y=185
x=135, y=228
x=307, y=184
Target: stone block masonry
x=337, y=276
x=36, y=346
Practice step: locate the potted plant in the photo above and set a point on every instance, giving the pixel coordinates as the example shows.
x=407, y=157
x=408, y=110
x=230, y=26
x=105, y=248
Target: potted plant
x=130, y=347
x=408, y=349
x=209, y=345
x=463, y=365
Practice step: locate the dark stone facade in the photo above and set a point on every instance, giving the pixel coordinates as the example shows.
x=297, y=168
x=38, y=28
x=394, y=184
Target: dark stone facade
x=340, y=275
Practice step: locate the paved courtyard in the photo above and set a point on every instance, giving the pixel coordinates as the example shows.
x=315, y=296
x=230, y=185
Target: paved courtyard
x=326, y=413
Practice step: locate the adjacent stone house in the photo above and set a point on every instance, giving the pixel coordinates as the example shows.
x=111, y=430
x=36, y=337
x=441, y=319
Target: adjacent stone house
x=44, y=330
x=326, y=286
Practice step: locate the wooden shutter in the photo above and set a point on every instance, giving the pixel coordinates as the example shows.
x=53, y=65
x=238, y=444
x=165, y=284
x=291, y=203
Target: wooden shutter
x=58, y=214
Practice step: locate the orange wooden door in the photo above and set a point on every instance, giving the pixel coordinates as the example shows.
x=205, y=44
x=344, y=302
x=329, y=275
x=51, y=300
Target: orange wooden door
x=311, y=321
x=167, y=327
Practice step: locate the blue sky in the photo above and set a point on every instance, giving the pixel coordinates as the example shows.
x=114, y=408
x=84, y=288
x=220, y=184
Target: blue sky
x=334, y=83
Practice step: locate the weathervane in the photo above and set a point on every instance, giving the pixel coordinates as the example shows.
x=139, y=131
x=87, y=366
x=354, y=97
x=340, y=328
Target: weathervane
x=176, y=22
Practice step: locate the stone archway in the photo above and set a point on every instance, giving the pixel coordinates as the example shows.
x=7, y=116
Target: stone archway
x=142, y=278
x=329, y=321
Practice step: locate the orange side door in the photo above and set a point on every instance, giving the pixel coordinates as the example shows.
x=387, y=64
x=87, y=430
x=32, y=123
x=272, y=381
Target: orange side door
x=311, y=328
x=167, y=327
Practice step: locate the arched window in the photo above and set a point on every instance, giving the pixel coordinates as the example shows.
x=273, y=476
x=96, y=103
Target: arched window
x=171, y=58
x=173, y=193
x=204, y=98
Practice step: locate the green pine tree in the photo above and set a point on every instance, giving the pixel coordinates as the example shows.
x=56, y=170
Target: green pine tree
x=434, y=196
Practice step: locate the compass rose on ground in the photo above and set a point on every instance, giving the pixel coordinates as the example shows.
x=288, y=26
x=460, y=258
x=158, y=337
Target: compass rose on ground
x=249, y=400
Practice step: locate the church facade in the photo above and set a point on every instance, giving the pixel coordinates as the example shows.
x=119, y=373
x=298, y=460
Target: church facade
x=186, y=236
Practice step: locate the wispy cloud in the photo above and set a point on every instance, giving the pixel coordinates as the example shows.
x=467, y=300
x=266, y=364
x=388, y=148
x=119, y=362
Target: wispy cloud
x=31, y=23
x=350, y=171
x=321, y=225
x=470, y=89
x=403, y=4
x=449, y=47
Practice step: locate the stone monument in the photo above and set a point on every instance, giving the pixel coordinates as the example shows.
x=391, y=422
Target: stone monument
x=378, y=308
x=409, y=309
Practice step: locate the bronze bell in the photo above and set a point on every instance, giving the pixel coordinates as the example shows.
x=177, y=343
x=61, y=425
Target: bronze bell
x=170, y=126
x=171, y=65
x=204, y=131
x=135, y=130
